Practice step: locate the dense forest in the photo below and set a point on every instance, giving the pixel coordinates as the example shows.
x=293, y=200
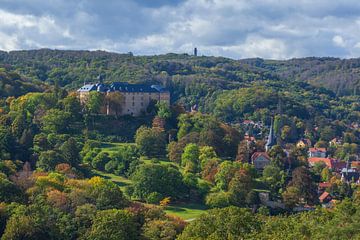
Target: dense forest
x=69, y=172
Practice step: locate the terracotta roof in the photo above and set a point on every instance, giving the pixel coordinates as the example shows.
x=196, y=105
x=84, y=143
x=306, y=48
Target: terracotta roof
x=317, y=150
x=324, y=185
x=330, y=162
x=355, y=164
x=258, y=154
x=324, y=196
x=248, y=122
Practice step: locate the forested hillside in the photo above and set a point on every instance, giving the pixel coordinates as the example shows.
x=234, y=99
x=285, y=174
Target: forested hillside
x=72, y=68
x=70, y=171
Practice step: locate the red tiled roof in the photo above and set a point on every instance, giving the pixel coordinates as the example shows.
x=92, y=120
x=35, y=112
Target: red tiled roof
x=324, y=185
x=330, y=162
x=355, y=164
x=317, y=150
x=324, y=196
x=248, y=122
x=258, y=154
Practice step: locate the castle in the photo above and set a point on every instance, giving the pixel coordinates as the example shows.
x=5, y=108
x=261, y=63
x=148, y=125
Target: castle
x=135, y=98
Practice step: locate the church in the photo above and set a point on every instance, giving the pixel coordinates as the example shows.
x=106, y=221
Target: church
x=135, y=97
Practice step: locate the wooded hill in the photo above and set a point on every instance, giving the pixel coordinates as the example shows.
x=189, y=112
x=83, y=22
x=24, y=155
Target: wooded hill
x=72, y=68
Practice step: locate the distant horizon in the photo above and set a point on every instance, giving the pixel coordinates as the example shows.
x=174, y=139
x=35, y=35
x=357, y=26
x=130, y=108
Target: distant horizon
x=236, y=29
x=177, y=53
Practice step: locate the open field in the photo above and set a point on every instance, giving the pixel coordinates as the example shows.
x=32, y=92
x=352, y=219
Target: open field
x=121, y=181
x=113, y=147
x=186, y=211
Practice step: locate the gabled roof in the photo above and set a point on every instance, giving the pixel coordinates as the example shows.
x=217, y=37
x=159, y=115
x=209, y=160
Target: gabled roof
x=122, y=87
x=324, y=196
x=324, y=185
x=317, y=150
x=87, y=88
x=126, y=87
x=258, y=154
x=330, y=162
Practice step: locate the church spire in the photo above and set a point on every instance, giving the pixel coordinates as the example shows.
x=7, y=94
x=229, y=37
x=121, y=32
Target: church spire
x=271, y=141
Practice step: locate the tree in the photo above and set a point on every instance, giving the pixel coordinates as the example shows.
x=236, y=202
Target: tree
x=163, y=110
x=291, y=196
x=113, y=224
x=70, y=152
x=302, y=180
x=55, y=121
x=225, y=223
x=165, y=180
x=161, y=230
x=190, y=158
x=226, y=171
x=72, y=105
x=151, y=142
x=9, y=192
x=274, y=177
x=114, y=102
x=244, y=152
x=49, y=159
x=278, y=156
x=105, y=194
x=94, y=102
x=219, y=199
x=100, y=160
x=240, y=186
x=206, y=154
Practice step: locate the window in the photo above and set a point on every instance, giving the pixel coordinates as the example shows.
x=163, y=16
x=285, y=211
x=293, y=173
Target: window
x=133, y=104
x=142, y=104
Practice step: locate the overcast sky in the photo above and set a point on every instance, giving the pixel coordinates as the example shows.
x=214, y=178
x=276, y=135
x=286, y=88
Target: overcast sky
x=276, y=29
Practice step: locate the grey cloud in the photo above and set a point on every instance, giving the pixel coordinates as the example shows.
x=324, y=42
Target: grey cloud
x=232, y=28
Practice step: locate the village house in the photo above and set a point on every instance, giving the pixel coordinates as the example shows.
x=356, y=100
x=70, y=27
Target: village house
x=317, y=152
x=330, y=163
x=350, y=175
x=136, y=97
x=325, y=197
x=260, y=160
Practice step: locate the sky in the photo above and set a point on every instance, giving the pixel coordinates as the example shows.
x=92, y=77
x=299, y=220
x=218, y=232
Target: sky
x=271, y=29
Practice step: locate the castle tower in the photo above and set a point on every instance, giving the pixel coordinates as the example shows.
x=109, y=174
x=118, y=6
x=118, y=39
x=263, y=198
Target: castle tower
x=271, y=141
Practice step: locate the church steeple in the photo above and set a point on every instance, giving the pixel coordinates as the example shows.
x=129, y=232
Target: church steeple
x=271, y=141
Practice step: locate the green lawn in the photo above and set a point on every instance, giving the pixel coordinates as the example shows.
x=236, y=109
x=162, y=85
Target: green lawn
x=113, y=147
x=186, y=211
x=121, y=181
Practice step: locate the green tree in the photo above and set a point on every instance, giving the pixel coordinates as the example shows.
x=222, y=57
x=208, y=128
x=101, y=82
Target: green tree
x=49, y=159
x=163, y=110
x=70, y=152
x=165, y=180
x=114, y=102
x=151, y=142
x=113, y=224
x=225, y=223
x=302, y=180
x=190, y=158
x=55, y=121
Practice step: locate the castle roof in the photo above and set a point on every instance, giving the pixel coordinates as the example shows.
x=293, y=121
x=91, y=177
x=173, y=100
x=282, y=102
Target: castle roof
x=122, y=87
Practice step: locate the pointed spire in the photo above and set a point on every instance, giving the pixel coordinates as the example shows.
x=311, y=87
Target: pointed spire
x=271, y=141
